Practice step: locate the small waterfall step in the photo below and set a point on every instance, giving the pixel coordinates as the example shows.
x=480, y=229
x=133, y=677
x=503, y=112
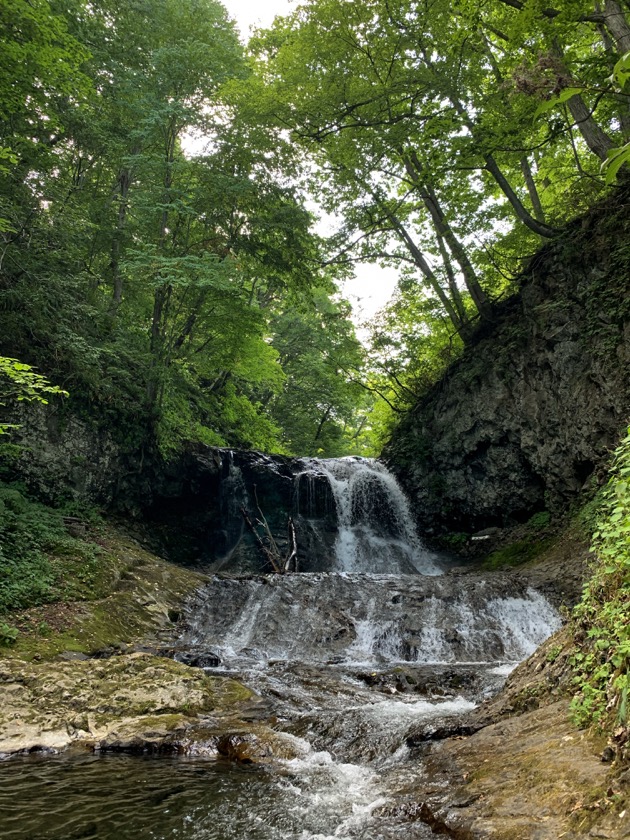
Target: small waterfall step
x=369, y=619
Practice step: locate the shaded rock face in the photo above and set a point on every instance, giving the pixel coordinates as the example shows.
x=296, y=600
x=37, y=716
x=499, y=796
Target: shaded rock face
x=197, y=501
x=522, y=421
x=348, y=514
x=63, y=456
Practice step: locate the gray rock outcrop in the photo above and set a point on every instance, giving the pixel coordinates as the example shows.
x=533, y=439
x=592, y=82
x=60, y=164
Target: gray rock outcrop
x=524, y=418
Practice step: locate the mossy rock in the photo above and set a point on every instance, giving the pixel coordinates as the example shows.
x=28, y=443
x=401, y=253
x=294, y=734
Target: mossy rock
x=93, y=703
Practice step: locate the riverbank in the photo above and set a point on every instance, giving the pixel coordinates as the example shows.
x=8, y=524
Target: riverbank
x=94, y=675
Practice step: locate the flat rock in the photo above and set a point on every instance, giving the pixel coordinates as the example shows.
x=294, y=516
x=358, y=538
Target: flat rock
x=131, y=699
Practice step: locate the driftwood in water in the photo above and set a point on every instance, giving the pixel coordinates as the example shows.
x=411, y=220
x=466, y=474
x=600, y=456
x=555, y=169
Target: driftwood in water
x=267, y=543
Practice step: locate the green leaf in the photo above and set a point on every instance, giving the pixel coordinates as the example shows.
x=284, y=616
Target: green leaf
x=554, y=101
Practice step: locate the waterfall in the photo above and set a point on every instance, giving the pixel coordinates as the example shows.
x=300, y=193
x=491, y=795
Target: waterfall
x=375, y=528
x=371, y=620
x=367, y=652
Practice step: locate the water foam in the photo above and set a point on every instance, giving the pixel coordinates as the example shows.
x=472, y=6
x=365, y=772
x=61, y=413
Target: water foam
x=376, y=531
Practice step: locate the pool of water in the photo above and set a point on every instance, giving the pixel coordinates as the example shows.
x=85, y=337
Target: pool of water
x=121, y=797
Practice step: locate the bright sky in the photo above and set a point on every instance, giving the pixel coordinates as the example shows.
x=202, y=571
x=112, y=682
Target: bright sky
x=372, y=286
x=248, y=13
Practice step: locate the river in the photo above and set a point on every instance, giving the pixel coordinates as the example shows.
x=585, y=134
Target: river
x=356, y=666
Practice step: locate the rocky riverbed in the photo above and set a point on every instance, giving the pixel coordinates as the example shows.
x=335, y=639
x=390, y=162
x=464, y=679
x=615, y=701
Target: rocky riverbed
x=513, y=767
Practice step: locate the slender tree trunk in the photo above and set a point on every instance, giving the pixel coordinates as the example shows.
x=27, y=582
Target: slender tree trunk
x=325, y=417
x=425, y=268
x=163, y=292
x=594, y=136
x=532, y=189
x=456, y=296
x=617, y=25
x=415, y=170
x=124, y=180
x=541, y=228
x=526, y=169
x=522, y=213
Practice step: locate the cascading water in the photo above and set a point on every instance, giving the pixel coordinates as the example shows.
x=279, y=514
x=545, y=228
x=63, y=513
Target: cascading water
x=354, y=662
x=376, y=532
x=356, y=657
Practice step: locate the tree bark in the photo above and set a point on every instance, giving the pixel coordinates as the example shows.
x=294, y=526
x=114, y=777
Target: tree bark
x=594, y=136
x=541, y=228
x=616, y=23
x=124, y=180
x=425, y=268
x=532, y=189
x=452, y=282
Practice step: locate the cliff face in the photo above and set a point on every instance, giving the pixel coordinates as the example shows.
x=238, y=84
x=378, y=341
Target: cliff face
x=523, y=419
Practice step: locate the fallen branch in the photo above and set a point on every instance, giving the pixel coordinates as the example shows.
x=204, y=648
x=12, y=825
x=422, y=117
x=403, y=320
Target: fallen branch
x=260, y=542
x=268, y=545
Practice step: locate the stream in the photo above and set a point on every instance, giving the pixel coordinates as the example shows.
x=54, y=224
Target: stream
x=356, y=666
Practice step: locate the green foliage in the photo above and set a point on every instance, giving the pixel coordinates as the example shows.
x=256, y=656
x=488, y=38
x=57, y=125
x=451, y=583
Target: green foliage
x=540, y=520
x=553, y=653
x=618, y=157
x=449, y=137
x=8, y=634
x=144, y=272
x=455, y=541
x=20, y=383
x=158, y=258
x=39, y=561
x=601, y=621
x=516, y=553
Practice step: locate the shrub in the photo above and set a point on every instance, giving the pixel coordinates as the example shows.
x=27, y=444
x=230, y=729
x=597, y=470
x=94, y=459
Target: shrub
x=601, y=621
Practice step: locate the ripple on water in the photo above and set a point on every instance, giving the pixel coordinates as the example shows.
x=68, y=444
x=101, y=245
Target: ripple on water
x=119, y=797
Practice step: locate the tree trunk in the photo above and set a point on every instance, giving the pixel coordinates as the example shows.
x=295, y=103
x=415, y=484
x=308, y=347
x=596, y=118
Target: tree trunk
x=526, y=169
x=541, y=228
x=530, y=183
x=452, y=282
x=162, y=293
x=595, y=137
x=124, y=180
x=425, y=268
x=325, y=417
x=617, y=25
x=415, y=171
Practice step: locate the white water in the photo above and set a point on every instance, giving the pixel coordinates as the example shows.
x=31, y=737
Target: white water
x=360, y=662
x=376, y=531
x=357, y=670
x=370, y=619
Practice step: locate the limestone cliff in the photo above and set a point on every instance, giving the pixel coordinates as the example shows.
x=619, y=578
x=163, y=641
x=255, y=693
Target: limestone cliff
x=523, y=419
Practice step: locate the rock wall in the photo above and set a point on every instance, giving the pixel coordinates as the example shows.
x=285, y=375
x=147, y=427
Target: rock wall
x=525, y=417
x=195, y=510
x=65, y=457
x=188, y=507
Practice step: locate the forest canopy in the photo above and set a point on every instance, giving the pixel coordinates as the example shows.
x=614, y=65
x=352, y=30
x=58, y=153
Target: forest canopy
x=160, y=260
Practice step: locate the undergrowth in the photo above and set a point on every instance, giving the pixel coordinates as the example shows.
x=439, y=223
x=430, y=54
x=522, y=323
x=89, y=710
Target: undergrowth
x=601, y=621
x=40, y=561
x=516, y=554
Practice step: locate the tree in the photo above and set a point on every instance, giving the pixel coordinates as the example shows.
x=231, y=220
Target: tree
x=20, y=383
